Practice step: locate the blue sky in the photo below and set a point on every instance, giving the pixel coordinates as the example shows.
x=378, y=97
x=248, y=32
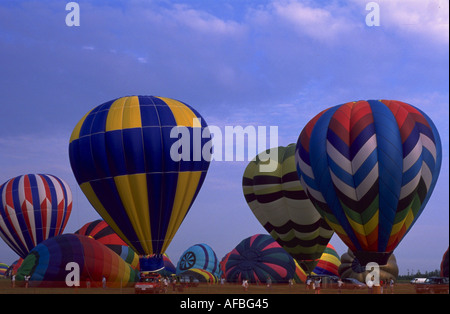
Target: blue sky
x=266, y=63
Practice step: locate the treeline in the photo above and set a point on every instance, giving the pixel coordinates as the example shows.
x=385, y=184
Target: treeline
x=419, y=274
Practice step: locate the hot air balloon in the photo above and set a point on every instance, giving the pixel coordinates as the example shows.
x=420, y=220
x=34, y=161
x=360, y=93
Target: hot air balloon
x=100, y=231
x=49, y=264
x=34, y=207
x=369, y=167
x=199, y=256
x=141, y=161
x=444, y=265
x=3, y=269
x=328, y=263
x=258, y=257
x=280, y=204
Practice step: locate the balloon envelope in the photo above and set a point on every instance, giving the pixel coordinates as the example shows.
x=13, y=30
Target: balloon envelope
x=258, y=257
x=328, y=263
x=34, y=207
x=444, y=264
x=279, y=202
x=140, y=162
x=199, y=256
x=100, y=231
x=369, y=167
x=47, y=263
x=3, y=269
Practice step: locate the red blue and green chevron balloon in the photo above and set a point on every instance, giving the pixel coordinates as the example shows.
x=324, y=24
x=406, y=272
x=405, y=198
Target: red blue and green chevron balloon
x=369, y=167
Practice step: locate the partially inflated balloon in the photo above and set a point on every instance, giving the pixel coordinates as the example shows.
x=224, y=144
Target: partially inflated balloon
x=280, y=204
x=141, y=161
x=257, y=258
x=100, y=231
x=34, y=207
x=199, y=256
x=370, y=167
x=53, y=262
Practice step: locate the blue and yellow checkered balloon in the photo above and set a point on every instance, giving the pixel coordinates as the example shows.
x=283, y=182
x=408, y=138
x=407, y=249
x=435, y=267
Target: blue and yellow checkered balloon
x=121, y=154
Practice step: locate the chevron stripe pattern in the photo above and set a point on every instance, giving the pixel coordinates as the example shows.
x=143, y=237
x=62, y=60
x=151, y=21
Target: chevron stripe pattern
x=369, y=167
x=34, y=207
x=280, y=204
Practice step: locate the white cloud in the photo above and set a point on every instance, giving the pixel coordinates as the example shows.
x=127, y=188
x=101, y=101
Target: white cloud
x=422, y=19
x=203, y=22
x=319, y=23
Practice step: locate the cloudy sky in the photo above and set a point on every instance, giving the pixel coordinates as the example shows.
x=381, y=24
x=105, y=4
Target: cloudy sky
x=238, y=62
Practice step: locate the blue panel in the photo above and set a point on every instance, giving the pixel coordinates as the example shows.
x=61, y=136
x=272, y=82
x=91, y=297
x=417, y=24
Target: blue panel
x=153, y=149
x=116, y=154
x=157, y=101
x=134, y=150
x=319, y=165
x=54, y=208
x=160, y=222
x=156, y=197
x=302, y=153
x=169, y=165
x=390, y=165
x=19, y=214
x=99, y=121
x=166, y=117
x=36, y=207
x=149, y=116
x=87, y=124
x=81, y=159
x=100, y=156
x=109, y=197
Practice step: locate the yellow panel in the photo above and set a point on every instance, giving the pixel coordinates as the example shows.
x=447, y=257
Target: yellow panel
x=131, y=113
x=76, y=131
x=95, y=202
x=114, y=121
x=183, y=115
x=367, y=228
x=133, y=193
x=186, y=187
x=363, y=232
x=407, y=221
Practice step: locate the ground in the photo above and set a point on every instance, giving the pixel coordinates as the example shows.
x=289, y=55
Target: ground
x=5, y=288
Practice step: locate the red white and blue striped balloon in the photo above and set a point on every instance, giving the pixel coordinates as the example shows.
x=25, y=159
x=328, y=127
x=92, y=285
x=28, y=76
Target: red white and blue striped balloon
x=34, y=207
x=369, y=167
